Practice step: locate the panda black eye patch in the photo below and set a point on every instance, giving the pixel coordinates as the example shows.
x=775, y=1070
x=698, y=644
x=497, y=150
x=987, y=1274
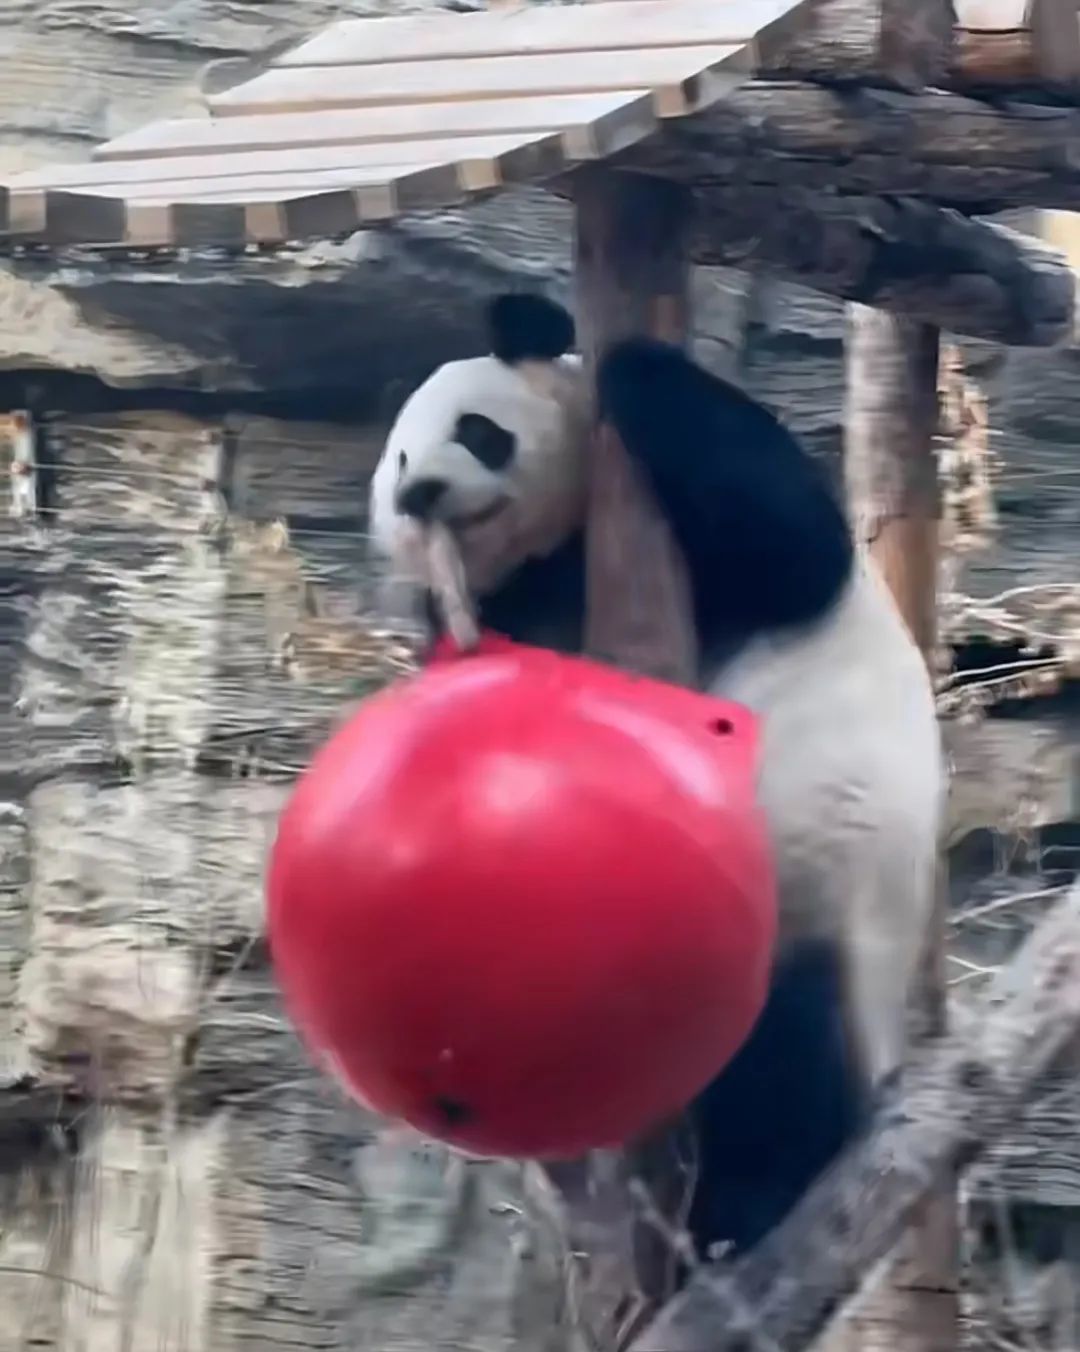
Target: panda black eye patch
x=491, y=444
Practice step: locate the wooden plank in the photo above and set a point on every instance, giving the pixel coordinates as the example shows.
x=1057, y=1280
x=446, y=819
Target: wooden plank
x=238, y=187
x=60, y=219
x=424, y=183
x=680, y=73
x=617, y=25
x=613, y=120
x=269, y=208
x=221, y=170
x=1016, y=43
x=65, y=218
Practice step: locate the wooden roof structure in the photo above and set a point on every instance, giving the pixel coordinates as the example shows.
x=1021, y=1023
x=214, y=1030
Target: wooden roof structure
x=795, y=122
x=372, y=118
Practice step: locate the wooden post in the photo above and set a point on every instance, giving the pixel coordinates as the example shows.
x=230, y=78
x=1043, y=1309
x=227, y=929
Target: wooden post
x=632, y=276
x=891, y=422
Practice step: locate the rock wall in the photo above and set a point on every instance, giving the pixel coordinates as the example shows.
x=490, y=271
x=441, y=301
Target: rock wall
x=175, y=1175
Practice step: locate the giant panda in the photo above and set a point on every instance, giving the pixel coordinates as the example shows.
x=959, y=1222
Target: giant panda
x=793, y=621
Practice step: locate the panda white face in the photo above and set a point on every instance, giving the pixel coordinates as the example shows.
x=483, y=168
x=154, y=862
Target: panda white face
x=493, y=450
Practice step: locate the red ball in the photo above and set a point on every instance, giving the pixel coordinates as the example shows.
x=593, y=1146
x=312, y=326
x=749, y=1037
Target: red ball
x=525, y=902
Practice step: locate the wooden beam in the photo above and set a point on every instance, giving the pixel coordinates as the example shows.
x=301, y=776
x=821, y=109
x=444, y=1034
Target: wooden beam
x=958, y=1095
x=1018, y=44
x=623, y=115
x=981, y=156
x=904, y=44
x=914, y=259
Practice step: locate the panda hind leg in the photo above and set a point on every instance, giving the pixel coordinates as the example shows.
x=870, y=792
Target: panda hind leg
x=782, y=1110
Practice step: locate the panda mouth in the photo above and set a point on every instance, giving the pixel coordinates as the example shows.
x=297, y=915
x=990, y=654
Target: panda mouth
x=480, y=518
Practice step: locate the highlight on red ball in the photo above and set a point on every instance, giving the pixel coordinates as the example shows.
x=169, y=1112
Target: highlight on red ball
x=525, y=902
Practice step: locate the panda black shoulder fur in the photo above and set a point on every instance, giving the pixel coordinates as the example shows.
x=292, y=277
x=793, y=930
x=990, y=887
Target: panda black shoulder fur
x=793, y=621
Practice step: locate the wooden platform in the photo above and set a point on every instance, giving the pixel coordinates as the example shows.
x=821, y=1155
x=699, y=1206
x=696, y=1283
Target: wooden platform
x=375, y=117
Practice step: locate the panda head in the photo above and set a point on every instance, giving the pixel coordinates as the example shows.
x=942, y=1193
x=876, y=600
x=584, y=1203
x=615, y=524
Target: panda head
x=492, y=447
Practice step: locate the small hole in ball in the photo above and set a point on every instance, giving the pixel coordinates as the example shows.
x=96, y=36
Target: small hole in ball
x=723, y=727
x=452, y=1111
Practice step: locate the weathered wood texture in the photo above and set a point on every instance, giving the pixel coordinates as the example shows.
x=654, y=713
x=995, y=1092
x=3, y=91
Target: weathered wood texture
x=811, y=37
x=957, y=1095
x=967, y=276
x=682, y=77
x=61, y=89
x=890, y=461
x=568, y=50
x=788, y=149
x=1026, y=44
x=538, y=30
x=905, y=43
x=889, y=456
x=980, y=156
x=632, y=277
x=917, y=261
x=944, y=146
x=269, y=197
x=74, y=76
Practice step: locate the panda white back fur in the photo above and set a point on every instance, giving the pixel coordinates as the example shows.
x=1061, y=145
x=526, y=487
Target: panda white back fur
x=792, y=621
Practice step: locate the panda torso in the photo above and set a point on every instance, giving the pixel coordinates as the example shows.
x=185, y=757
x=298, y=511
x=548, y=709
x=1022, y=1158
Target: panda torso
x=795, y=624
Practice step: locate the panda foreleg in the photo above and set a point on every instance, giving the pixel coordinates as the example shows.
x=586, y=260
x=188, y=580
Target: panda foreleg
x=782, y=1111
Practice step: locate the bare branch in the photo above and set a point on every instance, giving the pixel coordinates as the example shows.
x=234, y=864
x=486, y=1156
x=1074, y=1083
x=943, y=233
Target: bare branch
x=957, y=1097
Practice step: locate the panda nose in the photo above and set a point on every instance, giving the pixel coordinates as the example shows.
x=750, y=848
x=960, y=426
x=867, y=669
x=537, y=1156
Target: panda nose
x=419, y=498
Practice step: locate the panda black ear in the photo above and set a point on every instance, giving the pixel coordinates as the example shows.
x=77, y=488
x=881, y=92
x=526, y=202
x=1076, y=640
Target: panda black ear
x=529, y=328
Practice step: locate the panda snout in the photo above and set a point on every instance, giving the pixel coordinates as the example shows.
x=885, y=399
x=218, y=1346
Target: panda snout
x=419, y=498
